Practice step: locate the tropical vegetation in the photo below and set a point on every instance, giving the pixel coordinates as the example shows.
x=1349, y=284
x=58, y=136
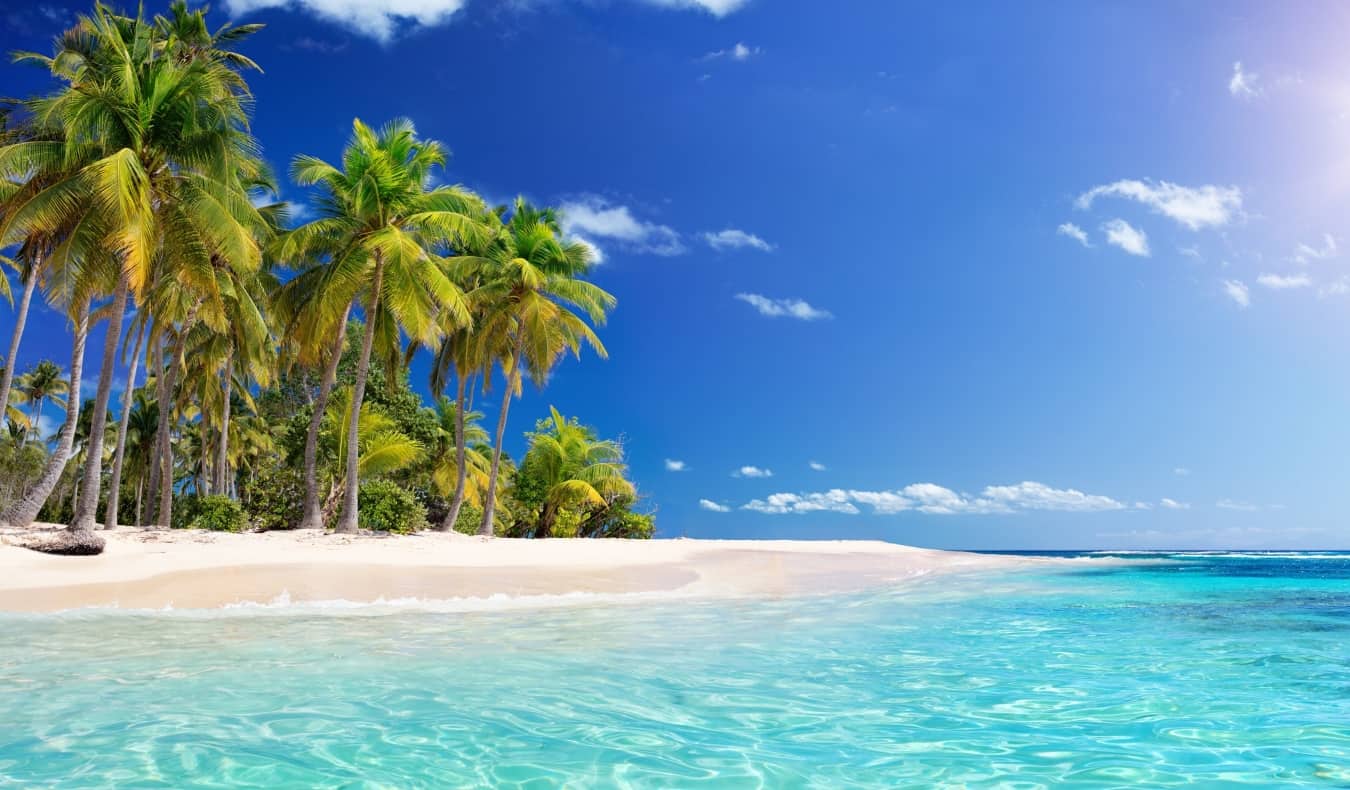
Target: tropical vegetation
x=265, y=364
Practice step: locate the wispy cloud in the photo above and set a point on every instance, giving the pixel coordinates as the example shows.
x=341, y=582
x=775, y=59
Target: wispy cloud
x=1306, y=253
x=1284, y=282
x=938, y=500
x=1243, y=83
x=779, y=308
x=593, y=217
x=1181, y=471
x=817, y=466
x=1230, y=504
x=1122, y=234
x=752, y=471
x=717, y=8
x=1336, y=288
x=1172, y=504
x=1238, y=292
x=741, y=51
x=708, y=504
x=673, y=465
x=1074, y=232
x=1193, y=207
x=733, y=239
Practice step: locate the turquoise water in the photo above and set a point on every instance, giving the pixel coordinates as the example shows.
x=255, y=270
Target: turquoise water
x=1209, y=670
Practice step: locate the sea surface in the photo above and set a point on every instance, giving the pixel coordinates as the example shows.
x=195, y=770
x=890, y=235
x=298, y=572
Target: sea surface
x=1148, y=670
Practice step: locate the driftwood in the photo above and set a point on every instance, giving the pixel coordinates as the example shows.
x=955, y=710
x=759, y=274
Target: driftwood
x=78, y=543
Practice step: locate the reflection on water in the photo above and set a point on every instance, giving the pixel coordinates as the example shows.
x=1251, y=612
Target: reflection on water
x=1209, y=669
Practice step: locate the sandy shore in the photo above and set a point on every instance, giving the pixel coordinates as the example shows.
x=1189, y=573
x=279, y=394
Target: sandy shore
x=188, y=569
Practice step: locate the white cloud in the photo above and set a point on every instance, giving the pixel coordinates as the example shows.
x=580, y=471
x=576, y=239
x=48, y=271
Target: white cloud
x=1281, y=282
x=739, y=52
x=1306, y=253
x=938, y=500
x=597, y=254
x=1229, y=504
x=1122, y=234
x=1237, y=291
x=776, y=308
x=1242, y=84
x=672, y=465
x=717, y=8
x=708, y=504
x=1074, y=232
x=1193, y=207
x=1338, y=288
x=752, y=471
x=733, y=239
x=594, y=217
x=1181, y=471
x=1172, y=504
x=817, y=466
x=382, y=20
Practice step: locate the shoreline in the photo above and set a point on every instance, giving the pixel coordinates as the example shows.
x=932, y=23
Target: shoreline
x=190, y=569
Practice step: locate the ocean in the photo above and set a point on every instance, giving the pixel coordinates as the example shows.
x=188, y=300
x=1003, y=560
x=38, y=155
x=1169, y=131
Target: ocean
x=1159, y=669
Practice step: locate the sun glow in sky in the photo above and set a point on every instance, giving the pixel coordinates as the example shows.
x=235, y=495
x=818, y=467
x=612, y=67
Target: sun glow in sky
x=992, y=275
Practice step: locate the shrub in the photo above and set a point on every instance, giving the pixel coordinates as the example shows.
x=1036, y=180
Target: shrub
x=219, y=513
x=185, y=509
x=384, y=506
x=276, y=498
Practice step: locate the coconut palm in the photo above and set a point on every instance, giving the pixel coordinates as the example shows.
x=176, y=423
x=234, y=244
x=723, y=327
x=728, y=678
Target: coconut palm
x=459, y=463
x=532, y=284
x=577, y=470
x=123, y=426
x=43, y=382
x=378, y=231
x=380, y=449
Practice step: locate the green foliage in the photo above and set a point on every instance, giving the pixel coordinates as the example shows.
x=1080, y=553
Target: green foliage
x=21, y=465
x=185, y=509
x=275, y=497
x=384, y=506
x=218, y=513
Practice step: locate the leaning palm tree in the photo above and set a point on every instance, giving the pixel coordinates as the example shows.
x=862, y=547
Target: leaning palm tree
x=532, y=285
x=378, y=230
x=459, y=464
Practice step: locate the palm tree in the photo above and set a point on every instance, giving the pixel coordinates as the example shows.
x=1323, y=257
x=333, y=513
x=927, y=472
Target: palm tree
x=42, y=382
x=123, y=426
x=380, y=448
x=378, y=231
x=458, y=456
x=532, y=286
x=577, y=470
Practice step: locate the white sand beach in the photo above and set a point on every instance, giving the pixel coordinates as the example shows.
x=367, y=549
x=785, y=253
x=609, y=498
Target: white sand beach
x=194, y=569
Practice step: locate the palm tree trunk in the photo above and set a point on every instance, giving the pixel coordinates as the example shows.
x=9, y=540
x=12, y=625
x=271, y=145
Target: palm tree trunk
x=152, y=462
x=222, y=455
x=461, y=473
x=348, y=521
x=86, y=507
x=165, y=513
x=140, y=490
x=313, y=518
x=37, y=420
x=22, y=513
x=20, y=318
x=490, y=503
x=119, y=454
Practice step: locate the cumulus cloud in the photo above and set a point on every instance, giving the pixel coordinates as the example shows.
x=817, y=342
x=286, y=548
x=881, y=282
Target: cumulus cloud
x=1238, y=292
x=1242, y=84
x=673, y=465
x=708, y=504
x=938, y=500
x=1172, y=504
x=733, y=239
x=777, y=308
x=1306, y=253
x=740, y=51
x=1193, y=207
x=382, y=20
x=1074, y=232
x=817, y=466
x=1281, y=282
x=752, y=471
x=1122, y=234
x=593, y=217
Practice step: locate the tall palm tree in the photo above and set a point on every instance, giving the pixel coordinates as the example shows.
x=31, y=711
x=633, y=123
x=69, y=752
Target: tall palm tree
x=380, y=447
x=123, y=427
x=532, y=286
x=43, y=382
x=378, y=230
x=578, y=471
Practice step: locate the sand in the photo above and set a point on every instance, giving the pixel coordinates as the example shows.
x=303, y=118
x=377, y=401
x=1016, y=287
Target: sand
x=189, y=569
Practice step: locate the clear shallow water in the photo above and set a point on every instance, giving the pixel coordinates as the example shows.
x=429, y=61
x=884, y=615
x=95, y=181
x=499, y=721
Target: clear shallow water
x=1208, y=670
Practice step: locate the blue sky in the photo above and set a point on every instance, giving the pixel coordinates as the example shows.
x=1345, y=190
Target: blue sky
x=975, y=275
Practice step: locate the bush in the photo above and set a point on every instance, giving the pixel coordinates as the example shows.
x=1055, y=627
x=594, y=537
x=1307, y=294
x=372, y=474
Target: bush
x=185, y=510
x=276, y=498
x=384, y=506
x=219, y=513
